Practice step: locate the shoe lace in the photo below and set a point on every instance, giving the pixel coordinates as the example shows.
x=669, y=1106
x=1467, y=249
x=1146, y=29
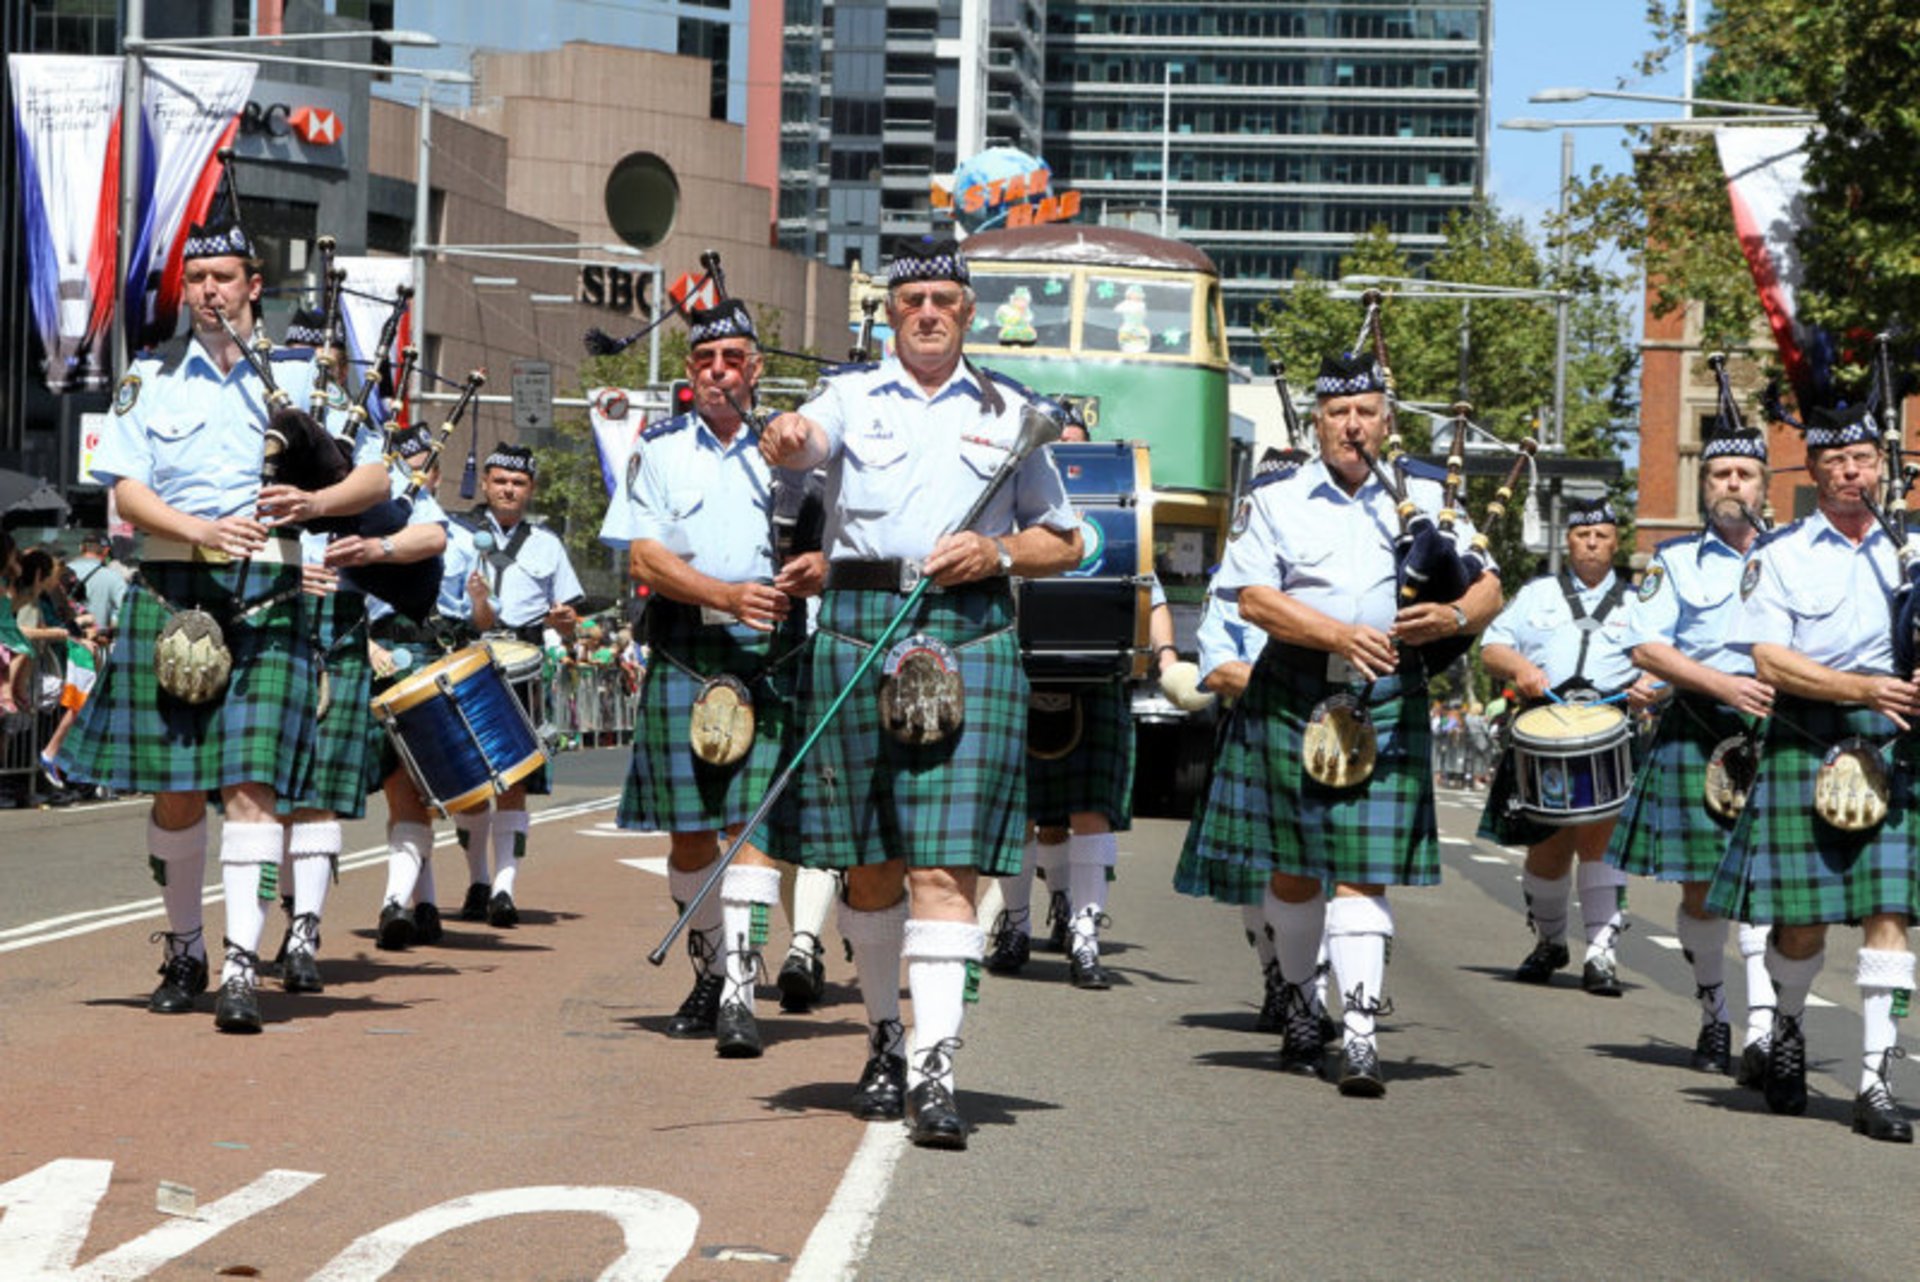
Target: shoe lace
x=1302, y=1024
x=179, y=961
x=306, y=929
x=1789, y=1052
x=886, y=1037
x=936, y=1062
x=1008, y=924
x=701, y=950
x=1057, y=909
x=1274, y=1003
x=245, y=958
x=811, y=950
x=706, y=991
x=1882, y=1090
x=1356, y=1002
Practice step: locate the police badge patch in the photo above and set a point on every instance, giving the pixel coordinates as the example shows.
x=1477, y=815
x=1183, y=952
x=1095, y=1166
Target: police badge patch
x=126, y=394
x=1750, y=578
x=1241, y=515
x=633, y=471
x=1650, y=583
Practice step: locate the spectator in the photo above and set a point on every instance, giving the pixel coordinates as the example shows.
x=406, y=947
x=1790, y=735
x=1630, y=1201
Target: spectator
x=102, y=581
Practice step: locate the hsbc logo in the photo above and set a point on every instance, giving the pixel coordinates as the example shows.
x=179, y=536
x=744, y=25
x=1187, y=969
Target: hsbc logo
x=315, y=126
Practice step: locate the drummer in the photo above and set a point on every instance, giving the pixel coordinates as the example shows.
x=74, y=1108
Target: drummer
x=1077, y=799
x=1563, y=637
x=523, y=585
x=1668, y=830
x=1815, y=615
x=726, y=630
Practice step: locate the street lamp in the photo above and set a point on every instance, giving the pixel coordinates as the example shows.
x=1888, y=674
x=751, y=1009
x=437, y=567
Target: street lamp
x=1467, y=293
x=1706, y=123
x=1581, y=95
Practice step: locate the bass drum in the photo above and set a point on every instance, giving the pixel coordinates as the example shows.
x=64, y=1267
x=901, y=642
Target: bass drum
x=1090, y=623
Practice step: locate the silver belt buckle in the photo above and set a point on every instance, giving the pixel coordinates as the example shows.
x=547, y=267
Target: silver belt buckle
x=910, y=575
x=718, y=618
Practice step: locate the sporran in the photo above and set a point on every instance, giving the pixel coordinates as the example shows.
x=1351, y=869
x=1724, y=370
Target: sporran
x=922, y=698
x=191, y=658
x=721, y=726
x=1340, y=745
x=1055, y=723
x=1731, y=769
x=1850, y=792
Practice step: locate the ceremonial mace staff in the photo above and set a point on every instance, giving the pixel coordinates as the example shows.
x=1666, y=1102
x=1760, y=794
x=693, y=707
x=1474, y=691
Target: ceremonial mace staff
x=1036, y=429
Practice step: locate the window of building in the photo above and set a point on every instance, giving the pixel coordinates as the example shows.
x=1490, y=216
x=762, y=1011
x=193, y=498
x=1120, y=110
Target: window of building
x=703, y=38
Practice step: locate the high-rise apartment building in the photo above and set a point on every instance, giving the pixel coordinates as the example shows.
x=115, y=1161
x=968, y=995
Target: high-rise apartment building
x=1274, y=134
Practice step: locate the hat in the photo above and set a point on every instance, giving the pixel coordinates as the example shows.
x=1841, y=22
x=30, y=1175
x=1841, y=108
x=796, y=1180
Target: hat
x=728, y=319
x=1349, y=374
x=1590, y=512
x=925, y=258
x=1828, y=426
x=308, y=328
x=415, y=440
x=513, y=458
x=1729, y=437
x=221, y=235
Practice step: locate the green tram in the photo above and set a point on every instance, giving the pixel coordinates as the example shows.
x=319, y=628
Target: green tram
x=1131, y=325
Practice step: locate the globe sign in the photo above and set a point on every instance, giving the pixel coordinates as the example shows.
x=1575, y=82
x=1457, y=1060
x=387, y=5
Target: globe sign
x=988, y=184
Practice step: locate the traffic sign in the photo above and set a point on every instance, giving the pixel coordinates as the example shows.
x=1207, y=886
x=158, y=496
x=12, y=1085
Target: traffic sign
x=533, y=396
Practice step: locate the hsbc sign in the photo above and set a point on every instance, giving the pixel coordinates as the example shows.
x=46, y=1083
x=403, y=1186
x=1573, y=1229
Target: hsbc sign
x=294, y=124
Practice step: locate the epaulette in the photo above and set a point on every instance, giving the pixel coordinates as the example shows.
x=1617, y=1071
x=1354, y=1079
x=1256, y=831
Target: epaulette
x=1678, y=540
x=1268, y=477
x=678, y=423
x=291, y=354
x=851, y=367
x=1778, y=531
x=1008, y=382
x=1423, y=470
x=168, y=355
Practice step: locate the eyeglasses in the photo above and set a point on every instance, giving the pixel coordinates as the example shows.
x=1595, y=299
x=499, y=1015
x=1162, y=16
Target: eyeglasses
x=1833, y=461
x=731, y=357
x=912, y=300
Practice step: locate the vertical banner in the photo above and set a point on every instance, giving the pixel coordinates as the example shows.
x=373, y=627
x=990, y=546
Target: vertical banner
x=617, y=424
x=365, y=303
x=65, y=112
x=1766, y=170
x=190, y=108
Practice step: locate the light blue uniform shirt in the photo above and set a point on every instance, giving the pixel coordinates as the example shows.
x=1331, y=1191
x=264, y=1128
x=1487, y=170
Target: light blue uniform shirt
x=195, y=436
x=539, y=577
x=1813, y=589
x=1687, y=598
x=1329, y=550
x=903, y=467
x=1539, y=625
x=458, y=562
x=426, y=511
x=705, y=502
x=1223, y=636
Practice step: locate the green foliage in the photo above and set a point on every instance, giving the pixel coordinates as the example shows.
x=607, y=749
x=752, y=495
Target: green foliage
x=1853, y=63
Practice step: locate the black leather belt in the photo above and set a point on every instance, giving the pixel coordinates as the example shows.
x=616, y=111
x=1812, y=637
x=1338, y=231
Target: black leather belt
x=890, y=574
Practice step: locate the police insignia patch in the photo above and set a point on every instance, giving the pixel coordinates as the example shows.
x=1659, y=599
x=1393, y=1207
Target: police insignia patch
x=1241, y=516
x=1650, y=584
x=633, y=471
x=1750, y=578
x=126, y=394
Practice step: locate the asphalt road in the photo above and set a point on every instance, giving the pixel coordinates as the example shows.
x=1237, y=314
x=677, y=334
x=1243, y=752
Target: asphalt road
x=504, y=1106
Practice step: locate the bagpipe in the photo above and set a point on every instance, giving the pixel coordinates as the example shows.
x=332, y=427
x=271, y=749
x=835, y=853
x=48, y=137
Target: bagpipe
x=1428, y=564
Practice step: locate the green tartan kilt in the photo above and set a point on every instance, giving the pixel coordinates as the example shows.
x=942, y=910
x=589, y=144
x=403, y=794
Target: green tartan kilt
x=260, y=730
x=1665, y=830
x=668, y=787
x=1097, y=776
x=1264, y=814
x=1785, y=864
x=865, y=797
x=1190, y=875
x=338, y=780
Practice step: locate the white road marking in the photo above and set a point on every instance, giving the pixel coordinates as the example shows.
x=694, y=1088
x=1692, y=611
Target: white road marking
x=1814, y=999
x=1667, y=942
x=1455, y=841
x=86, y=922
x=1487, y=859
x=839, y=1241
x=657, y=865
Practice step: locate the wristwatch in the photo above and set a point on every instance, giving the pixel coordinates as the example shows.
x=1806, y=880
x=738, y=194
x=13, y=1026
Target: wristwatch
x=386, y=551
x=1459, y=620
x=1006, y=556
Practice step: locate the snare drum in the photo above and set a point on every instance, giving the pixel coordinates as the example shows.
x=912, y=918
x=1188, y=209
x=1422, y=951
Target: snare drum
x=1090, y=623
x=1572, y=762
x=520, y=663
x=463, y=735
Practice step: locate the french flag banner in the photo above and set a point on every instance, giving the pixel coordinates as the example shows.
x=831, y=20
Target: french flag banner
x=1766, y=168
x=190, y=109
x=365, y=304
x=65, y=120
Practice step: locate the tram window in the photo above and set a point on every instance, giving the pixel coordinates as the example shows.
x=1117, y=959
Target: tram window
x=1134, y=315
x=1018, y=310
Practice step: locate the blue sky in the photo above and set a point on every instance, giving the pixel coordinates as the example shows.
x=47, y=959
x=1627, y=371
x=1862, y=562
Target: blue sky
x=1539, y=44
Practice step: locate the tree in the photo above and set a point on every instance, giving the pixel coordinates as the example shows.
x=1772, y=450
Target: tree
x=1853, y=64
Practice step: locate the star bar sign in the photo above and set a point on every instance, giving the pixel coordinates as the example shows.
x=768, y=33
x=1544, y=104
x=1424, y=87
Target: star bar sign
x=316, y=126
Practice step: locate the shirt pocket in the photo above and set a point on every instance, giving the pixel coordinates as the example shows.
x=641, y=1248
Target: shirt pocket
x=981, y=458
x=179, y=446
x=1816, y=602
x=872, y=481
x=682, y=503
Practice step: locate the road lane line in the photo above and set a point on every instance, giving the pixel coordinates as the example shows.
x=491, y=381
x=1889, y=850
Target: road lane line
x=839, y=1241
x=90, y=920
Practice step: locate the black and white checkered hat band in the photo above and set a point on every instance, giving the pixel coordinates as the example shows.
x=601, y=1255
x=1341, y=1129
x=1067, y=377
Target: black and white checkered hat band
x=1745, y=445
x=512, y=460
x=726, y=324
x=1601, y=514
x=303, y=335
x=413, y=440
x=935, y=267
x=1368, y=380
x=218, y=244
x=1860, y=431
